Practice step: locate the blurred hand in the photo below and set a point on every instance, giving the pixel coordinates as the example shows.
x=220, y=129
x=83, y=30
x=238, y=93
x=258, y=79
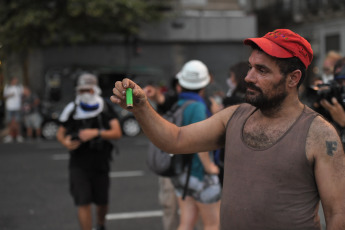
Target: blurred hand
x=154, y=94
x=150, y=91
x=87, y=134
x=336, y=111
x=211, y=168
x=119, y=91
x=71, y=144
x=215, y=106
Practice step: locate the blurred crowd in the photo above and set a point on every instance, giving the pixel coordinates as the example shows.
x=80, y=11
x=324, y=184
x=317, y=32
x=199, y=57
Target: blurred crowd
x=23, y=118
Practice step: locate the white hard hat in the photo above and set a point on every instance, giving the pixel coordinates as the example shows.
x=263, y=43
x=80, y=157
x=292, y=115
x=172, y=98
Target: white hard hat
x=194, y=75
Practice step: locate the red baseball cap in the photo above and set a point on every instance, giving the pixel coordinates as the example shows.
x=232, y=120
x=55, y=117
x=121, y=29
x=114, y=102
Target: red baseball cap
x=284, y=43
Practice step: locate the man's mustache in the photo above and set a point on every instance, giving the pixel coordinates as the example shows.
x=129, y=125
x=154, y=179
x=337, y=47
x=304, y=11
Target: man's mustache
x=252, y=87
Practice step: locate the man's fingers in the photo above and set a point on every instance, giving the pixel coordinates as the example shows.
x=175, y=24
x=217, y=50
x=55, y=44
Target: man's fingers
x=325, y=104
x=335, y=101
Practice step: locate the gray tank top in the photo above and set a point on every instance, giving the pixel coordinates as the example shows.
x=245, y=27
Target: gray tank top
x=272, y=188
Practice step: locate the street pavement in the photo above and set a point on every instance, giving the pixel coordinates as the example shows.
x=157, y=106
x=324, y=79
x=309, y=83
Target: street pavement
x=34, y=188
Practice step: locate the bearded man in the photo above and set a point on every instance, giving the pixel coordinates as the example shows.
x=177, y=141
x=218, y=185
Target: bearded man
x=281, y=157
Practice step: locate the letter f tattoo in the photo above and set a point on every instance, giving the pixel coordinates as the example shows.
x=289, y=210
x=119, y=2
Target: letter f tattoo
x=331, y=147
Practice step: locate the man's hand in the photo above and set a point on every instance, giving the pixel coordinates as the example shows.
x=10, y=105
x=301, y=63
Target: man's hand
x=87, y=134
x=119, y=91
x=336, y=111
x=71, y=144
x=154, y=94
x=215, y=106
x=209, y=166
x=212, y=168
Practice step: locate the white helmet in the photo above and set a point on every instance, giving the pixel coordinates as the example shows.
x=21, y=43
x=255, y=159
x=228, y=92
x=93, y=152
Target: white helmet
x=194, y=75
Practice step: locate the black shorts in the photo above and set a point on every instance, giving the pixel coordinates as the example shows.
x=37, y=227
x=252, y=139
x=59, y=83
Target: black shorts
x=89, y=187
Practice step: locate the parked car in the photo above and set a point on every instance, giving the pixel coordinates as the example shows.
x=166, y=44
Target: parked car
x=130, y=126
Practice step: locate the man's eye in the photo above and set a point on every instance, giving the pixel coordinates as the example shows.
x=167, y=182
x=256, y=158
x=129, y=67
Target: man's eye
x=262, y=70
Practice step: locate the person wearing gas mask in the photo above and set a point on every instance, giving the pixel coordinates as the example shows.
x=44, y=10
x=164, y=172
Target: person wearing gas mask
x=328, y=66
x=87, y=125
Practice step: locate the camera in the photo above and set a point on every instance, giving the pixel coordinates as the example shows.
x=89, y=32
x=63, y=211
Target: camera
x=328, y=91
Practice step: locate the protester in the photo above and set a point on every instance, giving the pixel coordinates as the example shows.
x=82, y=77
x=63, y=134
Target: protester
x=235, y=95
x=328, y=65
x=335, y=107
x=236, y=83
x=163, y=100
x=214, y=95
x=87, y=125
x=32, y=117
x=281, y=157
x=166, y=192
x=200, y=198
x=13, y=95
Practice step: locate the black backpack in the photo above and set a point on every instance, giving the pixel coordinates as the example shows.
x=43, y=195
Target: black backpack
x=163, y=163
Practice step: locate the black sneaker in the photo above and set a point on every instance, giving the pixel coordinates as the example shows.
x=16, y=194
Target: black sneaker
x=100, y=228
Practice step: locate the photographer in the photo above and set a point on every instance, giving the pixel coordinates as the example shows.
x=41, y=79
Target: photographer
x=87, y=125
x=336, y=96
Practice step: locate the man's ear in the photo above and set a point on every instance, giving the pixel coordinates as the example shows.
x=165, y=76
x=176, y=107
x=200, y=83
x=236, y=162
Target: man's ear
x=293, y=78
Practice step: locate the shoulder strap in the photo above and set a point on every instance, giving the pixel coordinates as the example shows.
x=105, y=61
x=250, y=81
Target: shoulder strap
x=178, y=122
x=73, y=111
x=176, y=112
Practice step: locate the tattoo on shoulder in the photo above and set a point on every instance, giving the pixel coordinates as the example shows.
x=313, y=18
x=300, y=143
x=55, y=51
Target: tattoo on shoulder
x=331, y=147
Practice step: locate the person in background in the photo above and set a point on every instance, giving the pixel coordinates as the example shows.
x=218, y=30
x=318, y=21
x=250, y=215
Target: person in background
x=335, y=107
x=235, y=95
x=328, y=66
x=281, y=157
x=87, y=126
x=166, y=193
x=13, y=97
x=32, y=117
x=214, y=95
x=236, y=83
x=163, y=100
x=193, y=79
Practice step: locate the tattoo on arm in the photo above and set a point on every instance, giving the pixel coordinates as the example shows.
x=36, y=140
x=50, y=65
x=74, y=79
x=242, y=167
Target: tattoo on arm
x=331, y=147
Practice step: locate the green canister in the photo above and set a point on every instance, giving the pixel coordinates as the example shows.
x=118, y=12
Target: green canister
x=129, y=98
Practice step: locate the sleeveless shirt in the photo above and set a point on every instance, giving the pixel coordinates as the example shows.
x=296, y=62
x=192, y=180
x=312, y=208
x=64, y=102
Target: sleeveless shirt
x=272, y=188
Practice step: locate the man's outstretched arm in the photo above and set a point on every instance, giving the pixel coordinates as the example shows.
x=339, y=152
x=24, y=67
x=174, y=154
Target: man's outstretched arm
x=202, y=136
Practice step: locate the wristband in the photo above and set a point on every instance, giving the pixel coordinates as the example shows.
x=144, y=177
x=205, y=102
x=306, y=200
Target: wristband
x=99, y=133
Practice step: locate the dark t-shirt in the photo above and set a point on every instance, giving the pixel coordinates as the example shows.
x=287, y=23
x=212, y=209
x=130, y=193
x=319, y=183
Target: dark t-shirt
x=170, y=99
x=96, y=153
x=28, y=104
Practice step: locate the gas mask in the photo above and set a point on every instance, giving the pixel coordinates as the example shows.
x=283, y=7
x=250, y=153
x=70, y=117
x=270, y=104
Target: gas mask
x=88, y=101
x=88, y=98
x=231, y=86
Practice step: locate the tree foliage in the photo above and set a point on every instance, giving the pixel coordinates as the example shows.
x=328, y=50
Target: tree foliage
x=26, y=23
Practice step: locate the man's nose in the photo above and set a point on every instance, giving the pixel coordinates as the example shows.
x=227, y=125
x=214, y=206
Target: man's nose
x=250, y=76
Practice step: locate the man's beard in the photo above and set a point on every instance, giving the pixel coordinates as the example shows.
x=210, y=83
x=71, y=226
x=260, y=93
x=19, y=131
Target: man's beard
x=263, y=102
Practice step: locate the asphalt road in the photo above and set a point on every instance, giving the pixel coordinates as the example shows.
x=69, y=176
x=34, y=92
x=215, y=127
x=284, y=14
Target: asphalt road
x=34, y=188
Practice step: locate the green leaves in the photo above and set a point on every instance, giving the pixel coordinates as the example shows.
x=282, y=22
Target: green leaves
x=25, y=23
